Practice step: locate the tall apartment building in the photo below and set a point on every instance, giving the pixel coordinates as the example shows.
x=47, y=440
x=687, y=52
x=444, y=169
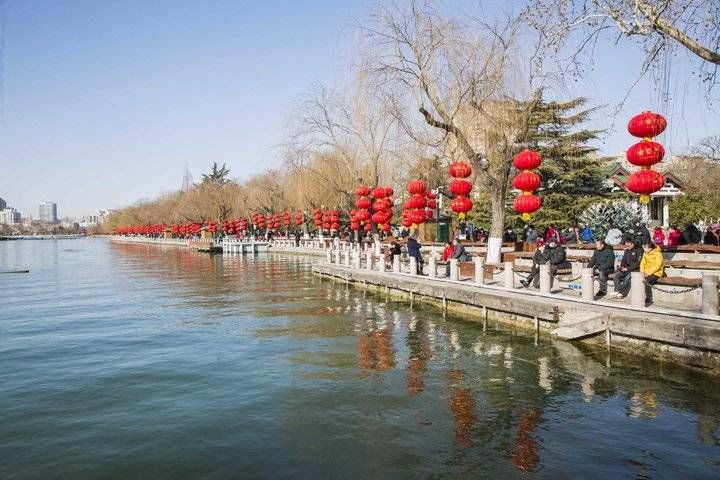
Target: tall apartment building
x=3, y=204
x=48, y=212
x=9, y=216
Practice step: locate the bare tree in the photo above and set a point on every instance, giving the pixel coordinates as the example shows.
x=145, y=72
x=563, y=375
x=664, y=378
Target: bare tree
x=657, y=25
x=708, y=149
x=466, y=82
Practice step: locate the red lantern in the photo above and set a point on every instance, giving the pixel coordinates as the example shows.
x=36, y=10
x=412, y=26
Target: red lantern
x=378, y=205
x=363, y=202
x=432, y=204
x=429, y=213
x=417, y=187
x=385, y=227
x=526, y=204
x=527, y=160
x=362, y=190
x=644, y=183
x=646, y=125
x=645, y=154
x=355, y=226
x=381, y=217
x=460, y=170
x=527, y=181
x=378, y=193
x=389, y=192
x=460, y=187
x=416, y=217
x=362, y=215
x=368, y=227
x=406, y=222
x=335, y=226
x=415, y=201
x=461, y=205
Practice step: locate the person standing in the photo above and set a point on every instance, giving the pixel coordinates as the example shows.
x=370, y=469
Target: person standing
x=630, y=263
x=652, y=267
x=658, y=236
x=603, y=264
x=539, y=258
x=413, y=250
x=674, y=236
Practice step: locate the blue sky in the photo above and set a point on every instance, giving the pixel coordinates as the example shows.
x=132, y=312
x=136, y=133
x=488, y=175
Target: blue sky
x=103, y=102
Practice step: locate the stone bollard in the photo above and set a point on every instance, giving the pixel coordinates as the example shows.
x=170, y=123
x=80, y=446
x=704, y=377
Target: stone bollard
x=508, y=275
x=454, y=269
x=637, y=289
x=710, y=294
x=413, y=266
x=328, y=257
x=432, y=266
x=544, y=278
x=588, y=284
x=380, y=263
x=396, y=263
x=347, y=257
x=356, y=260
x=479, y=270
x=368, y=261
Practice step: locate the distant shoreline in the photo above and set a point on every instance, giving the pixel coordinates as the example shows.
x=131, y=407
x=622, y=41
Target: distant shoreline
x=43, y=237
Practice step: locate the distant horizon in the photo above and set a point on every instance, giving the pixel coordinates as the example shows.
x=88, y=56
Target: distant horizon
x=103, y=105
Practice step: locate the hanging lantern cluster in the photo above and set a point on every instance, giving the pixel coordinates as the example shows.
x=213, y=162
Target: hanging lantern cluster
x=286, y=218
x=460, y=188
x=430, y=204
x=362, y=212
x=233, y=227
x=141, y=229
x=382, y=208
x=299, y=219
x=258, y=220
x=414, y=208
x=317, y=218
x=527, y=182
x=645, y=154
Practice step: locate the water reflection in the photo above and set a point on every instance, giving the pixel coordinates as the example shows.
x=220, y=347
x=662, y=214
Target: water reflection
x=445, y=390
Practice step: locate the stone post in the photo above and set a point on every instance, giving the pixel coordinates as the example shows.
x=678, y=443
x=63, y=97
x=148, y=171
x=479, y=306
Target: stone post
x=396, y=263
x=509, y=274
x=544, y=278
x=454, y=269
x=710, y=294
x=637, y=289
x=413, y=266
x=380, y=263
x=479, y=270
x=356, y=260
x=368, y=261
x=347, y=257
x=328, y=257
x=588, y=284
x=432, y=266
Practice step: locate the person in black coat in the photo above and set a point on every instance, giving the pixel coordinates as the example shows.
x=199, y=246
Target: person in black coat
x=603, y=264
x=630, y=263
x=413, y=250
x=557, y=258
x=540, y=258
x=690, y=235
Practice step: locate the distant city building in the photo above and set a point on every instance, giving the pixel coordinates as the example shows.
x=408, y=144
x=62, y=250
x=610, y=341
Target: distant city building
x=3, y=204
x=9, y=216
x=48, y=212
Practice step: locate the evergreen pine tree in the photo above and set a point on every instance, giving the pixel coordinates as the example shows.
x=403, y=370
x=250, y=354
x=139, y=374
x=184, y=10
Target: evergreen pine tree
x=572, y=174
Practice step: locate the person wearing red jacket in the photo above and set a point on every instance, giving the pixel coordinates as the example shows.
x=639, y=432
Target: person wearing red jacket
x=674, y=235
x=447, y=253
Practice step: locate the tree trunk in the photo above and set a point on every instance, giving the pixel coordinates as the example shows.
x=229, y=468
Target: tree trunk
x=497, y=224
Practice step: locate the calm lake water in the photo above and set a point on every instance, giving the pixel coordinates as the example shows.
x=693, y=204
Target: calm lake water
x=143, y=362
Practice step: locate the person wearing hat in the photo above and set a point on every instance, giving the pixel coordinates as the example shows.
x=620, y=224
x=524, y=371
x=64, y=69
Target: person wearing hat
x=712, y=235
x=540, y=258
x=413, y=250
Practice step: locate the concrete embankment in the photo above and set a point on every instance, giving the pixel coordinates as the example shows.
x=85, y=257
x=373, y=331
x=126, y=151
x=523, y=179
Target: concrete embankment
x=689, y=338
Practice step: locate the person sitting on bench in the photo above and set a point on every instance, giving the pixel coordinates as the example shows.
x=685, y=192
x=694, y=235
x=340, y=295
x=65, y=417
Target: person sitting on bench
x=540, y=258
x=459, y=254
x=557, y=258
x=652, y=267
x=603, y=264
x=630, y=263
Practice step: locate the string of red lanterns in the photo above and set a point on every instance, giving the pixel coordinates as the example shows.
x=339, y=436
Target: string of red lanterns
x=645, y=154
x=414, y=207
x=527, y=181
x=460, y=188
